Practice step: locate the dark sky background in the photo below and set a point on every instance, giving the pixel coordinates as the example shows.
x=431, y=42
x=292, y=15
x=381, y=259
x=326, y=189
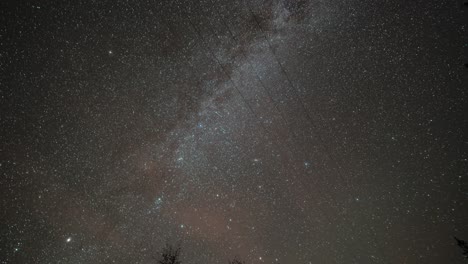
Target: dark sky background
x=280, y=131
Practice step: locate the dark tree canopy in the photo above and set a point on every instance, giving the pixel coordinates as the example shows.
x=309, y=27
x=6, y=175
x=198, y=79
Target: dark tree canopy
x=464, y=246
x=236, y=261
x=170, y=255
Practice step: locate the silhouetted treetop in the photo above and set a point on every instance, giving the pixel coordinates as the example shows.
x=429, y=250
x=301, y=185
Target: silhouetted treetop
x=236, y=261
x=463, y=245
x=170, y=255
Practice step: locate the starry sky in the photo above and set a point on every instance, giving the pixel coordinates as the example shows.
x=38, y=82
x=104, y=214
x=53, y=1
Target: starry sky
x=279, y=131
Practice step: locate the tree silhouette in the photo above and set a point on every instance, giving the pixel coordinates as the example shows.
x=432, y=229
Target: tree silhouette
x=236, y=261
x=464, y=246
x=170, y=255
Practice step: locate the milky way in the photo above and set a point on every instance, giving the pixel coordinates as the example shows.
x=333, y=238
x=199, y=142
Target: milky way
x=277, y=131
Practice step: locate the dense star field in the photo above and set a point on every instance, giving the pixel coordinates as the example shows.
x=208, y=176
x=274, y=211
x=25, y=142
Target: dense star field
x=278, y=131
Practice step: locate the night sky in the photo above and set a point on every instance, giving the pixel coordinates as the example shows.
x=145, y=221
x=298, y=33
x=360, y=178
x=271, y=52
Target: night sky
x=279, y=131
